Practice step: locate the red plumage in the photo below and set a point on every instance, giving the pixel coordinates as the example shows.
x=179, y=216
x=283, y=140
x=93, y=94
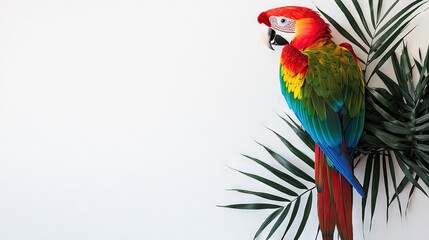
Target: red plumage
x=296, y=62
x=334, y=199
x=342, y=193
x=325, y=207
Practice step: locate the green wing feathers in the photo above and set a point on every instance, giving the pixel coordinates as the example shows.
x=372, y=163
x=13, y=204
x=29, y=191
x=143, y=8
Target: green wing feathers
x=335, y=78
x=330, y=103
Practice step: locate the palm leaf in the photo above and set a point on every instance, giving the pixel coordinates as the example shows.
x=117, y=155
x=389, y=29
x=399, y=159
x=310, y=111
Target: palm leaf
x=385, y=36
x=289, y=198
x=404, y=130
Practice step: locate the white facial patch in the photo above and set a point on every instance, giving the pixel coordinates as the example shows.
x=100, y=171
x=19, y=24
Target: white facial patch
x=282, y=24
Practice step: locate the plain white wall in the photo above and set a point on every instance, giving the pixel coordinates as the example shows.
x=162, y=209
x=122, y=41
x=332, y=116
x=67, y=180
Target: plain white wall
x=119, y=119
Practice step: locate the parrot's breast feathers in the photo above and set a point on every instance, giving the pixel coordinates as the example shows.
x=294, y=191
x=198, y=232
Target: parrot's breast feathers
x=293, y=67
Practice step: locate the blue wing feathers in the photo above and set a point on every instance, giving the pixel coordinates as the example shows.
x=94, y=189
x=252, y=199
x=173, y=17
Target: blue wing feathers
x=339, y=161
x=328, y=135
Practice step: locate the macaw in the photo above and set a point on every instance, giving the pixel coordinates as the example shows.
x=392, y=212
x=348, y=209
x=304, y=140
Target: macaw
x=323, y=84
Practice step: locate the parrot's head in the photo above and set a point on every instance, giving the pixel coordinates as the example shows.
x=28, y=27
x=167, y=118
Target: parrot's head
x=299, y=26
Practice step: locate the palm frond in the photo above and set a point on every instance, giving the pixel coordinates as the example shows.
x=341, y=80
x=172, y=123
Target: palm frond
x=397, y=127
x=288, y=187
x=378, y=41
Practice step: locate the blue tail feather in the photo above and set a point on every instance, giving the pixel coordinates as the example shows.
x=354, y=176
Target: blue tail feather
x=339, y=161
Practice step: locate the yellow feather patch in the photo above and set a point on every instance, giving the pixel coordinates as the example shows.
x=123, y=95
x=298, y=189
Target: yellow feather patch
x=293, y=82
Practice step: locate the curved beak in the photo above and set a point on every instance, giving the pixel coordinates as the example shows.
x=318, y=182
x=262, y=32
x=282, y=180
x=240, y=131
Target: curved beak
x=271, y=38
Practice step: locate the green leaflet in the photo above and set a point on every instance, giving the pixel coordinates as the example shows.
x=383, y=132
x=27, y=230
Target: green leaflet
x=300, y=133
x=386, y=186
x=267, y=221
x=288, y=165
x=375, y=184
x=295, y=151
x=271, y=184
x=366, y=181
x=306, y=214
x=252, y=206
x=267, y=196
x=280, y=174
x=279, y=221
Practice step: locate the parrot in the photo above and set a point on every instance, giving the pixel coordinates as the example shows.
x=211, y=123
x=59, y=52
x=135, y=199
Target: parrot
x=323, y=84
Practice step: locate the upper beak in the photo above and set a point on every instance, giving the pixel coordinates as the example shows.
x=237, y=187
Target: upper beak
x=271, y=38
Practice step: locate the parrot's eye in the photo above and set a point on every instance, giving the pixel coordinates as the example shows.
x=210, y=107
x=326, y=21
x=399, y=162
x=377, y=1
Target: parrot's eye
x=283, y=24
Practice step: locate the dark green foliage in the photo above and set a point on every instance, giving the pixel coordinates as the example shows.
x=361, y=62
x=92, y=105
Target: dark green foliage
x=397, y=128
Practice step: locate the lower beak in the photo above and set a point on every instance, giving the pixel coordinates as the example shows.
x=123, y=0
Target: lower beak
x=271, y=38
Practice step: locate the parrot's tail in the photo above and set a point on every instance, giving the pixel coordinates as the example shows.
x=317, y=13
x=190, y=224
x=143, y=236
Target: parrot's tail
x=334, y=199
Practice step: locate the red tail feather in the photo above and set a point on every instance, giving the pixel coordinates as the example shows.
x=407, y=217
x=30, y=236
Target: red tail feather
x=334, y=199
x=325, y=207
x=343, y=200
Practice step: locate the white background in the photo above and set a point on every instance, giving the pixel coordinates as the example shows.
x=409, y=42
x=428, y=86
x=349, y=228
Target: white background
x=120, y=120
